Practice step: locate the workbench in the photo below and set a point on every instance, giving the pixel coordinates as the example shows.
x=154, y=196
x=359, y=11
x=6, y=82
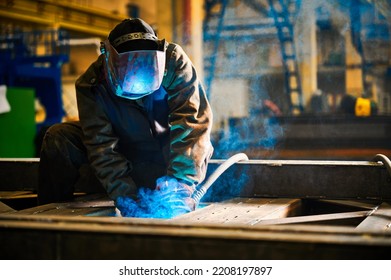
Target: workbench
x=257, y=209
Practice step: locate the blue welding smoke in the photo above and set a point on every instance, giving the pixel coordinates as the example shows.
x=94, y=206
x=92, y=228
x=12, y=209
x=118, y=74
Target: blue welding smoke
x=249, y=133
x=152, y=204
x=229, y=185
x=167, y=203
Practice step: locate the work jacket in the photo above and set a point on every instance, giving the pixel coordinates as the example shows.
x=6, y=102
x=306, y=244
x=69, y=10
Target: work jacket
x=170, y=126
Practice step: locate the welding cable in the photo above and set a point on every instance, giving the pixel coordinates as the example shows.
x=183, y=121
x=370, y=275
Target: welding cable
x=385, y=160
x=199, y=193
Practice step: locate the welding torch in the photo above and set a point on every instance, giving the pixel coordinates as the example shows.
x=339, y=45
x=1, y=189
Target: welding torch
x=202, y=189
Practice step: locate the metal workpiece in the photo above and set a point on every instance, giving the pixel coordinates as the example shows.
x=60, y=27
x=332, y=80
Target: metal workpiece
x=255, y=209
x=18, y=174
x=251, y=228
x=257, y=178
x=303, y=179
x=226, y=230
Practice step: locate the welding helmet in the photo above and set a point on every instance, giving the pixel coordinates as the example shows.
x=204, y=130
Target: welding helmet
x=134, y=62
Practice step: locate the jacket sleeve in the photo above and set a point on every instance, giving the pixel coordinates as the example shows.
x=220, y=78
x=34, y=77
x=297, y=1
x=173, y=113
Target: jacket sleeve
x=111, y=167
x=190, y=120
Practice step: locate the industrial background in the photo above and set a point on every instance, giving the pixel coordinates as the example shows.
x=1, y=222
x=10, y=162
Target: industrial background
x=302, y=87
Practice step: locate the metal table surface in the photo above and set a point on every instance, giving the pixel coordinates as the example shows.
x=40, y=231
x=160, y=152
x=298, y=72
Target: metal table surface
x=273, y=210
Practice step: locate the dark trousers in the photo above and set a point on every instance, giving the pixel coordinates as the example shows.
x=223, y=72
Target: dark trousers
x=64, y=166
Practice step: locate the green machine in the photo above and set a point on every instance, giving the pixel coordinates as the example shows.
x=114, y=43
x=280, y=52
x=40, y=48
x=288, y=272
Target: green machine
x=18, y=127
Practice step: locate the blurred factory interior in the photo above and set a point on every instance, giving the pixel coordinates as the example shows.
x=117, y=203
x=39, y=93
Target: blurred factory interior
x=286, y=79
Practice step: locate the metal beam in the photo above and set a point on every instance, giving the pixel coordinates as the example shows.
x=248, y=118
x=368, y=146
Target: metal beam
x=59, y=237
x=19, y=174
x=378, y=220
x=311, y=131
x=257, y=178
x=261, y=8
x=314, y=218
x=87, y=229
x=301, y=179
x=60, y=14
x=5, y=208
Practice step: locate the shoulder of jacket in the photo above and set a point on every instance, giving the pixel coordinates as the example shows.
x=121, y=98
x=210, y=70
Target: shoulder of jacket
x=169, y=48
x=91, y=76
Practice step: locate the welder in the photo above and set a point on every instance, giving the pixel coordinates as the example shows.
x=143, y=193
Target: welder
x=144, y=122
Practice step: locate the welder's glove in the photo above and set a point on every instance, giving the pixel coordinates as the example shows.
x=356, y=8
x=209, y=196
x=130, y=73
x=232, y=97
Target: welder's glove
x=169, y=199
x=126, y=206
x=176, y=194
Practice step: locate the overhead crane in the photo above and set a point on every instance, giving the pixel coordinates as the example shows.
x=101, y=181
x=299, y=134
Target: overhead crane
x=283, y=14
x=366, y=31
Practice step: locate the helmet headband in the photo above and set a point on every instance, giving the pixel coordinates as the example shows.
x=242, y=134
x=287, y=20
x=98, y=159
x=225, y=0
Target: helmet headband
x=133, y=36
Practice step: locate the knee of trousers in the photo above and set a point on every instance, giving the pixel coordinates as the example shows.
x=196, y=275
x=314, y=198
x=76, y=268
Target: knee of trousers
x=57, y=141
